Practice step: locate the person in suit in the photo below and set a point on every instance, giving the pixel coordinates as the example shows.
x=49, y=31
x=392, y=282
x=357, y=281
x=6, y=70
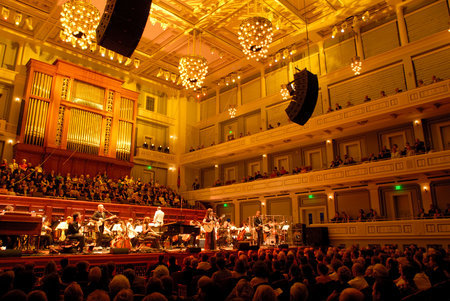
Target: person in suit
x=74, y=230
x=258, y=224
x=99, y=216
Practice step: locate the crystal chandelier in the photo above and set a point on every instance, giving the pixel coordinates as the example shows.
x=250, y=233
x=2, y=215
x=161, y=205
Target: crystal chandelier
x=232, y=111
x=79, y=20
x=356, y=65
x=255, y=35
x=193, y=69
x=284, y=92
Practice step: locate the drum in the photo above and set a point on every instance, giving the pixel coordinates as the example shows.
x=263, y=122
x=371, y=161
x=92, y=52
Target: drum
x=270, y=240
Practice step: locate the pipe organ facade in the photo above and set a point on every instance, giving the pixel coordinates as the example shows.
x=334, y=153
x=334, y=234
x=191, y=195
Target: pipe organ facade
x=74, y=113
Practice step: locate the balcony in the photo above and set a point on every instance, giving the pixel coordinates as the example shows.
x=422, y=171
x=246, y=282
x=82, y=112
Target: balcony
x=391, y=168
x=154, y=156
x=403, y=107
x=423, y=232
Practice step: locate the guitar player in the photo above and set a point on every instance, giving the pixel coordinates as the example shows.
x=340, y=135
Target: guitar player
x=258, y=224
x=208, y=224
x=99, y=216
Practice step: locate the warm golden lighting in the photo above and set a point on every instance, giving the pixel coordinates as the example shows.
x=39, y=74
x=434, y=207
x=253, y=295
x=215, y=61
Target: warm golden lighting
x=356, y=65
x=79, y=20
x=232, y=111
x=193, y=70
x=5, y=13
x=255, y=36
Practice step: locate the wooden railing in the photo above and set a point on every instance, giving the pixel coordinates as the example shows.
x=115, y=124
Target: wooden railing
x=61, y=208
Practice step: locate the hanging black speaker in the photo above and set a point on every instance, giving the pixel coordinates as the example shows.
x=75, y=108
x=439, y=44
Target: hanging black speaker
x=122, y=25
x=304, y=91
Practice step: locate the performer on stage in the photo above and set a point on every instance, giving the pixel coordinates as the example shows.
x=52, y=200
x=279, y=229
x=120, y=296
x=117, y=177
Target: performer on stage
x=99, y=216
x=46, y=236
x=209, y=226
x=158, y=219
x=74, y=231
x=258, y=224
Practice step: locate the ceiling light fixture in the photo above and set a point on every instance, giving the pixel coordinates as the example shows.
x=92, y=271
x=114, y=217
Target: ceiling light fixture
x=193, y=68
x=79, y=20
x=255, y=35
x=232, y=111
x=18, y=19
x=5, y=13
x=356, y=65
x=284, y=92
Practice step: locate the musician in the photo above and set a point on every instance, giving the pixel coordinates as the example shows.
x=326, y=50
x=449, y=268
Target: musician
x=210, y=237
x=158, y=219
x=46, y=237
x=74, y=231
x=99, y=216
x=131, y=232
x=258, y=224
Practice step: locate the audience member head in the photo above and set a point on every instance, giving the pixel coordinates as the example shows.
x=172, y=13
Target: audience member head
x=6, y=282
x=124, y=295
x=118, y=283
x=98, y=295
x=358, y=269
x=260, y=269
x=299, y=292
x=160, y=270
x=351, y=294
x=244, y=290
x=264, y=293
x=167, y=283
x=95, y=274
x=73, y=292
x=36, y=296
x=14, y=295
x=344, y=274
x=155, y=297
x=50, y=267
x=384, y=289
x=154, y=284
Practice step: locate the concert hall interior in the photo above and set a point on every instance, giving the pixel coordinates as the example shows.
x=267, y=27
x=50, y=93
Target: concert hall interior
x=138, y=130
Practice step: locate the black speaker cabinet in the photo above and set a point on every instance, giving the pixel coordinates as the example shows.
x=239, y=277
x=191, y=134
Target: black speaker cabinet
x=283, y=246
x=304, y=91
x=243, y=246
x=119, y=250
x=317, y=236
x=194, y=250
x=122, y=24
x=299, y=234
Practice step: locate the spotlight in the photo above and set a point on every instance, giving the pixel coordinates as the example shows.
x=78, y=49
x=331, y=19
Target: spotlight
x=167, y=150
x=92, y=48
x=160, y=148
x=152, y=147
x=173, y=77
x=119, y=58
x=17, y=99
x=166, y=75
x=5, y=13
x=343, y=27
x=111, y=54
x=18, y=19
x=29, y=23
x=160, y=72
x=366, y=16
x=137, y=63
x=102, y=51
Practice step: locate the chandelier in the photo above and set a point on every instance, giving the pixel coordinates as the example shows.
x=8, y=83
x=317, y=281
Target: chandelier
x=356, y=65
x=193, y=68
x=232, y=111
x=284, y=92
x=79, y=20
x=255, y=35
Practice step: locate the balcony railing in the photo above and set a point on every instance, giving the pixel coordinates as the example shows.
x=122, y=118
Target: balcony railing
x=423, y=232
x=155, y=156
x=368, y=171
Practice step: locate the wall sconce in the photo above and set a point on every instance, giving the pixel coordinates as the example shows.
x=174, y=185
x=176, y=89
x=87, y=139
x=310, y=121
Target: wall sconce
x=425, y=189
x=330, y=196
x=334, y=32
x=137, y=63
x=216, y=166
x=172, y=168
x=119, y=58
x=17, y=99
x=328, y=141
x=102, y=51
x=18, y=19
x=111, y=54
x=10, y=141
x=264, y=156
x=5, y=13
x=263, y=203
x=416, y=122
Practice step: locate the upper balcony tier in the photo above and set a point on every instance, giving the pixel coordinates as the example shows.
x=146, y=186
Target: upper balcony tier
x=437, y=163
x=153, y=156
x=400, y=108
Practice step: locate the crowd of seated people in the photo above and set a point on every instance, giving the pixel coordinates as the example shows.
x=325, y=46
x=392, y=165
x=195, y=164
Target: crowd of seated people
x=417, y=149
x=28, y=180
x=306, y=273
x=153, y=147
x=343, y=217
x=348, y=160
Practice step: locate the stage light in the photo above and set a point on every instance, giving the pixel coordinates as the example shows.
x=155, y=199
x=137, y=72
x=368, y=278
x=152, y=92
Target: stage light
x=334, y=32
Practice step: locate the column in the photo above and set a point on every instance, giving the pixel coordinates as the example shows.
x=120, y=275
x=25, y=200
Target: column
x=238, y=94
x=329, y=146
x=323, y=67
x=263, y=205
x=374, y=198
x=295, y=208
x=418, y=130
x=265, y=164
x=263, y=82
x=425, y=193
x=331, y=204
x=237, y=213
x=403, y=33
x=216, y=172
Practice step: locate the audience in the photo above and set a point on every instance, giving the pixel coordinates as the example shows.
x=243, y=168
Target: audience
x=305, y=273
x=26, y=179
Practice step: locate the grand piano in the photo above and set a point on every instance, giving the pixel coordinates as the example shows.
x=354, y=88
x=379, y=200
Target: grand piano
x=14, y=223
x=180, y=228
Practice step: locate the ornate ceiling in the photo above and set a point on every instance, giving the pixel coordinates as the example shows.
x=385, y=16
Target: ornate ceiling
x=167, y=34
